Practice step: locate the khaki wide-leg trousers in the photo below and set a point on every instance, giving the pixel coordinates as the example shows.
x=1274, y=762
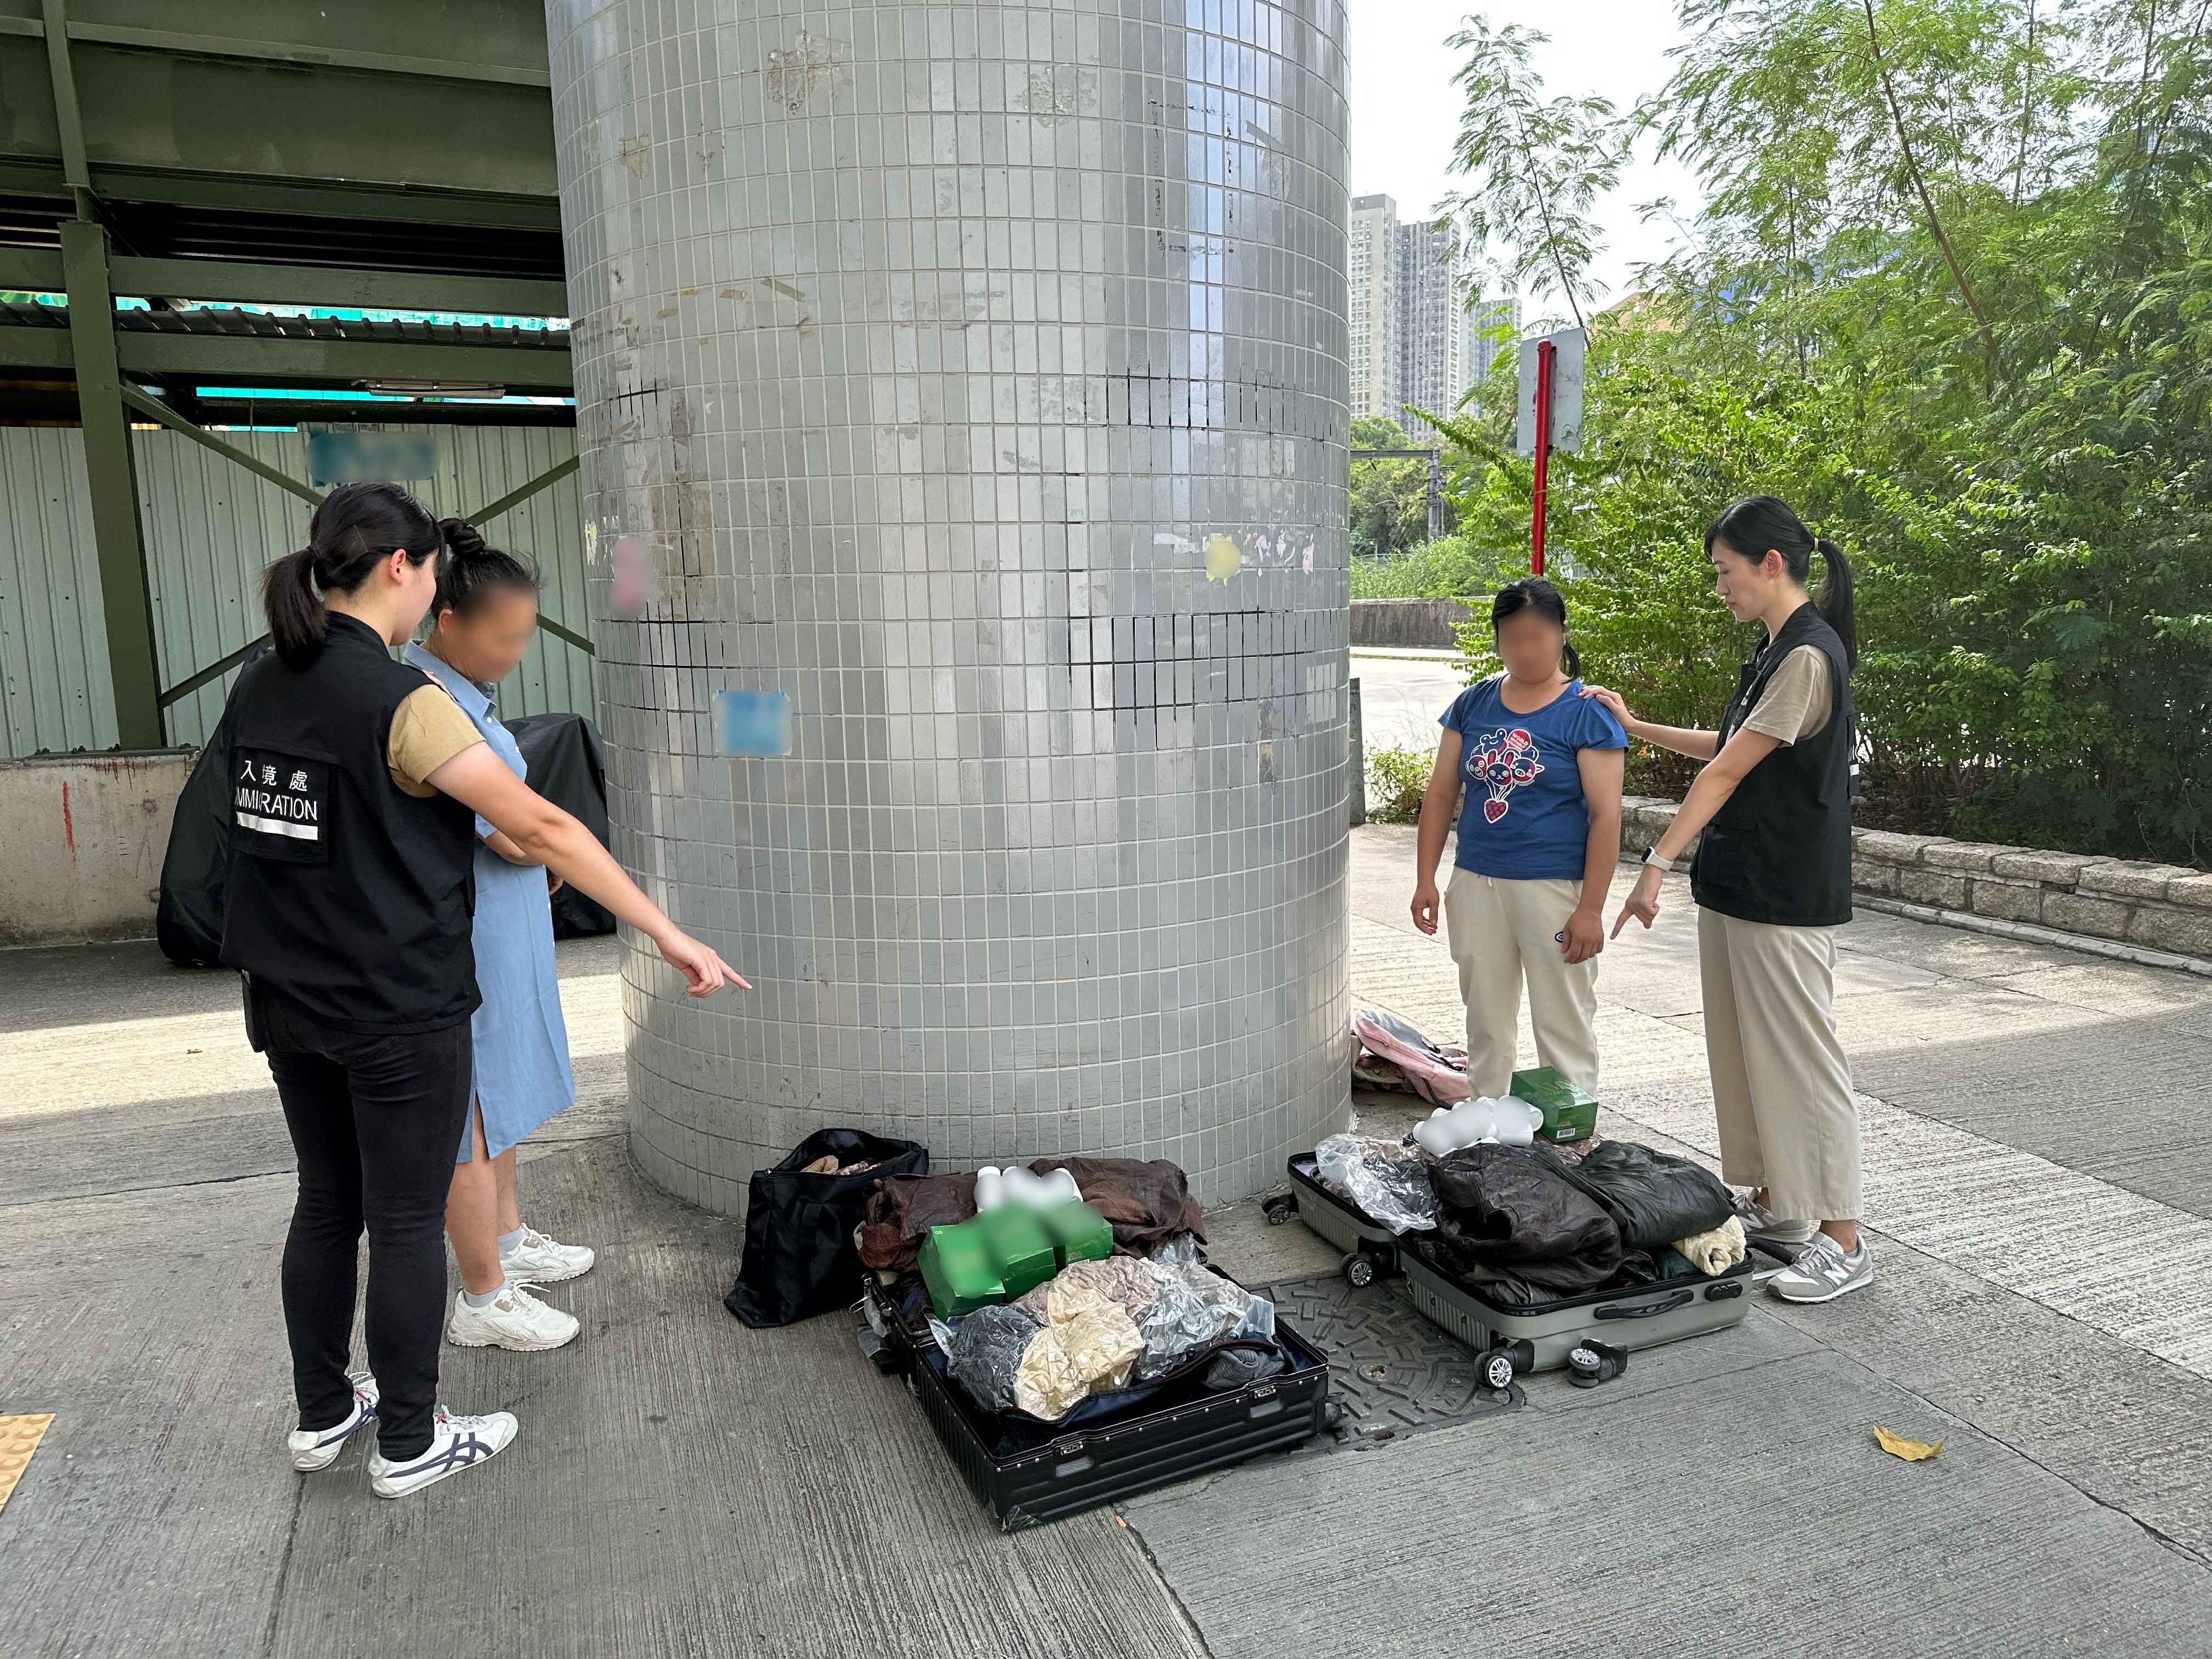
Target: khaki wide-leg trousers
x=1781, y=1089
x=1500, y=931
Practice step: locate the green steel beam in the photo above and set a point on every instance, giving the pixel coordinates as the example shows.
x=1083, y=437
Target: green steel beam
x=124, y=599
x=281, y=52
x=36, y=269
x=35, y=348
x=336, y=201
x=67, y=122
x=514, y=498
x=155, y=409
x=260, y=356
x=317, y=285
x=214, y=670
x=571, y=636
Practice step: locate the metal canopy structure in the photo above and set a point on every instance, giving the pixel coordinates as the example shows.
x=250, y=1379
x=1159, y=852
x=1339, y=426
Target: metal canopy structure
x=272, y=154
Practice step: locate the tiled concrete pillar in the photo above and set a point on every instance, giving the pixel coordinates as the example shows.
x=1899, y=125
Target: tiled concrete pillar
x=962, y=398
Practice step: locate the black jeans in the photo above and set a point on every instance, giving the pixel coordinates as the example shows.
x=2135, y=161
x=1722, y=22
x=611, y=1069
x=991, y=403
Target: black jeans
x=376, y=1121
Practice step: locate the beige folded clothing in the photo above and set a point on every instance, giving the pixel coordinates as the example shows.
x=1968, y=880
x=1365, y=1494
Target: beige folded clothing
x=1717, y=1251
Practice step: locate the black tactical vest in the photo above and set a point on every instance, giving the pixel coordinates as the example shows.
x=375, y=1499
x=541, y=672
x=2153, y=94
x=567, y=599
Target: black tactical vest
x=348, y=896
x=1780, y=849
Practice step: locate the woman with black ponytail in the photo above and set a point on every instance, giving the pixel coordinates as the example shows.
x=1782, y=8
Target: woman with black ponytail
x=356, y=782
x=481, y=625
x=1772, y=883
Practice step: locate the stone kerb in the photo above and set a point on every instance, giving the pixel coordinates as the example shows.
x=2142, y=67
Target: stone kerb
x=2158, y=907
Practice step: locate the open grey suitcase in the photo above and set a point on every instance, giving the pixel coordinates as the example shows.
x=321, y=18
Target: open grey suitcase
x=1371, y=1249
x=1640, y=1316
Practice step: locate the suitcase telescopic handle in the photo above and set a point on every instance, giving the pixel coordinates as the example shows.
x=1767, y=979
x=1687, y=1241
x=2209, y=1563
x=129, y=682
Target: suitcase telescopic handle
x=1680, y=1299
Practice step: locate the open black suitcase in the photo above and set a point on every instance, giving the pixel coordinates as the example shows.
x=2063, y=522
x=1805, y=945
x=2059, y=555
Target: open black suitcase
x=1025, y=1473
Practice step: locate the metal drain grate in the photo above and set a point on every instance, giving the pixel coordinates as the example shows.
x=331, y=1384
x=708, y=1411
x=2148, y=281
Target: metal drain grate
x=1393, y=1372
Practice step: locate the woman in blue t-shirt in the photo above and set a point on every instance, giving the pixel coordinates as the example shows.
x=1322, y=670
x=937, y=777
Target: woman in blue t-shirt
x=1538, y=837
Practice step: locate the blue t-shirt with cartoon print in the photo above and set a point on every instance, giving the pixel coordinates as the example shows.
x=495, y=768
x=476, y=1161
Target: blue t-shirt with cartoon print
x=1524, y=818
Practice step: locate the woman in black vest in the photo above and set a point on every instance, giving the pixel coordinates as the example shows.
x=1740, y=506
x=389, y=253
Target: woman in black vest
x=1772, y=882
x=356, y=782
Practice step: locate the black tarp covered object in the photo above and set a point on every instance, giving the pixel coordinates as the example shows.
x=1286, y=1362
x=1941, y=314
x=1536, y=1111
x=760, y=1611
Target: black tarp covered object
x=196, y=867
x=566, y=767
x=800, y=1259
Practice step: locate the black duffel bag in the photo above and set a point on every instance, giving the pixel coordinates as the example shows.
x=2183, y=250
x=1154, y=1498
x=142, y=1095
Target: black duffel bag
x=800, y=1259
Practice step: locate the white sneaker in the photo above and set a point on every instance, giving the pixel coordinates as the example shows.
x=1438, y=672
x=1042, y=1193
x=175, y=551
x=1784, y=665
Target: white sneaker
x=456, y=1443
x=542, y=1261
x=318, y=1448
x=1824, y=1272
x=513, y=1319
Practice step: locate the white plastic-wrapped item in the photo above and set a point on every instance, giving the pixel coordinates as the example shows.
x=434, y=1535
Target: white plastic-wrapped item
x=1015, y=1185
x=1509, y=1120
x=1387, y=1181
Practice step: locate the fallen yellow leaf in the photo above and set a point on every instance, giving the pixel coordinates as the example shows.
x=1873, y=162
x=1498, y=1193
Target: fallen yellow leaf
x=1912, y=1451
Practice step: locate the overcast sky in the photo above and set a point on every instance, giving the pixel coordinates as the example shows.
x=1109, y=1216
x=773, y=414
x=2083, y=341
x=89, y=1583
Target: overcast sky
x=1405, y=110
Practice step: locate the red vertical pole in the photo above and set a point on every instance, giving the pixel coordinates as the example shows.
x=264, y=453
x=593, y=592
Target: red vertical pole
x=1545, y=351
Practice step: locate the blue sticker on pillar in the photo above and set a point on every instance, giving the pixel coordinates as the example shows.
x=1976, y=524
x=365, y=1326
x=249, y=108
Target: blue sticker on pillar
x=753, y=722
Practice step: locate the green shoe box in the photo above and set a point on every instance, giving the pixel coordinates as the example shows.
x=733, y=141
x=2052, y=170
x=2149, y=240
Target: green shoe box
x=1019, y=1247
x=1079, y=1233
x=1569, y=1113
x=956, y=1266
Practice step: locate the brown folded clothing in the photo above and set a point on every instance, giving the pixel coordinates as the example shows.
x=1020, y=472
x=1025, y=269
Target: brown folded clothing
x=899, y=1212
x=1147, y=1202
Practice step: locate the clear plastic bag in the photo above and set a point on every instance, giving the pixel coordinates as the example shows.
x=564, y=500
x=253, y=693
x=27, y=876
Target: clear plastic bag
x=1387, y=1181
x=1181, y=1319
x=985, y=1354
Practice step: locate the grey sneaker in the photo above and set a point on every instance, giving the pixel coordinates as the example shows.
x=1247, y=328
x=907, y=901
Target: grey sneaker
x=1762, y=1226
x=1823, y=1271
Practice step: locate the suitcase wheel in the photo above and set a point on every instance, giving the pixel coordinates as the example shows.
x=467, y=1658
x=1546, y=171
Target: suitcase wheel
x=1359, y=1268
x=1497, y=1368
x=1279, y=1208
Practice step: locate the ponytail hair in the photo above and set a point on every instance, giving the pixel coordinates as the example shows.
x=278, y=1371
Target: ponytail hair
x=1757, y=523
x=472, y=570
x=355, y=528
x=1534, y=593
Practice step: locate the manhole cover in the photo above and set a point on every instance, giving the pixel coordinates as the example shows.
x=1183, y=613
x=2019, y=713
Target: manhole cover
x=1390, y=1370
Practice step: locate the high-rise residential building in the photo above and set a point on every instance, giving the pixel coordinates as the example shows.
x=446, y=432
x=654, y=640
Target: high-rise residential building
x=1433, y=364
x=1492, y=325
x=1374, y=271
x=1415, y=344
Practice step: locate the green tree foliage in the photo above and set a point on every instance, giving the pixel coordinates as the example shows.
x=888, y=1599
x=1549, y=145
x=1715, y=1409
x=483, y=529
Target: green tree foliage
x=1449, y=568
x=1390, y=499
x=1951, y=296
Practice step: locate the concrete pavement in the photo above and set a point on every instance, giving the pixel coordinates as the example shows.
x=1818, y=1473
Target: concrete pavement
x=2037, y=1181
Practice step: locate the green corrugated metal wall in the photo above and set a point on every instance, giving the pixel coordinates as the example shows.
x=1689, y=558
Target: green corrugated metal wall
x=210, y=527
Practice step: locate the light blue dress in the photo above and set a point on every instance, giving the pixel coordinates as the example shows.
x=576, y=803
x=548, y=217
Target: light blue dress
x=522, y=1075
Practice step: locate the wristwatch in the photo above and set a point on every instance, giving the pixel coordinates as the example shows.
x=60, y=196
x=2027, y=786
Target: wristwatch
x=1651, y=857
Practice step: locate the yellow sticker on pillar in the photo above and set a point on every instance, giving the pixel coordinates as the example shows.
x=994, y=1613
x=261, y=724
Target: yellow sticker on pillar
x=1223, y=558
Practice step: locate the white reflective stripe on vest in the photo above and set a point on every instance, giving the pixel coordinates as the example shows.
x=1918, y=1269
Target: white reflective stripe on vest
x=280, y=827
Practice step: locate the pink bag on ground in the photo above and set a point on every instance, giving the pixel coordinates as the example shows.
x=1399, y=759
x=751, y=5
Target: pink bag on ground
x=1435, y=1074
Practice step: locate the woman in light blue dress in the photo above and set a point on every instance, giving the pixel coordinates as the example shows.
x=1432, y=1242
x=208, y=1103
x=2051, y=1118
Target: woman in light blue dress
x=480, y=625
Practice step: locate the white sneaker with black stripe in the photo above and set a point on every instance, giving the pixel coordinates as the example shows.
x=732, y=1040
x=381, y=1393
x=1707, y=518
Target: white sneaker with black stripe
x=318, y=1448
x=456, y=1443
